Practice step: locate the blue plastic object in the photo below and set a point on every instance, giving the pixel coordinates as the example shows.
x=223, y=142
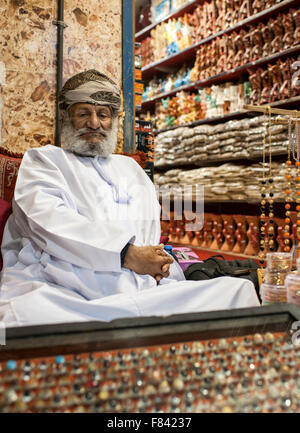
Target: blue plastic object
x=11, y=364
x=168, y=249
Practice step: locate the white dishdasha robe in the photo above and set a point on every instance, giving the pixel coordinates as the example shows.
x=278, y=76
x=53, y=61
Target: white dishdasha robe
x=61, y=247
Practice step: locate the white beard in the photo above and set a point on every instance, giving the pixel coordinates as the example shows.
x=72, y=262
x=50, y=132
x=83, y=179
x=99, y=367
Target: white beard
x=103, y=148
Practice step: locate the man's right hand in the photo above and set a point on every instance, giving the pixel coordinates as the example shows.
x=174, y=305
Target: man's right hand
x=149, y=260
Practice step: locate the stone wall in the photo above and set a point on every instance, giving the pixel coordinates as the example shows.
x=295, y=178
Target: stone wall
x=93, y=39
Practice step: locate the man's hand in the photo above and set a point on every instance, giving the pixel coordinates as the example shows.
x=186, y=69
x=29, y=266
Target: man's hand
x=165, y=269
x=149, y=260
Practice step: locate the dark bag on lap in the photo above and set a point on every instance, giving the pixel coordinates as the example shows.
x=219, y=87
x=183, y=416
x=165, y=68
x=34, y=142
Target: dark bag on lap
x=217, y=266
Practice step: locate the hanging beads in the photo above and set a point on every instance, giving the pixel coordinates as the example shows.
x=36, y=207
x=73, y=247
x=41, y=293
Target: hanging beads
x=263, y=203
x=271, y=216
x=297, y=164
x=286, y=232
x=271, y=228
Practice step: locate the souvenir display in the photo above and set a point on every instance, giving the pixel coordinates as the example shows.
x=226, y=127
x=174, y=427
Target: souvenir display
x=255, y=373
x=162, y=8
x=219, y=54
x=208, y=102
x=236, y=233
x=158, y=86
x=188, y=123
x=264, y=86
x=225, y=182
x=229, y=140
x=261, y=40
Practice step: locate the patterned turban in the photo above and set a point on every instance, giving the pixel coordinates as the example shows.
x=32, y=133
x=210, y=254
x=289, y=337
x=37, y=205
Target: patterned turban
x=91, y=87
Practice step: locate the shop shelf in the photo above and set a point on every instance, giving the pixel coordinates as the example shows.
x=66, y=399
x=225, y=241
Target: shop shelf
x=188, y=53
x=230, y=116
x=211, y=162
x=217, y=161
x=254, y=201
x=231, y=74
x=211, y=120
x=142, y=34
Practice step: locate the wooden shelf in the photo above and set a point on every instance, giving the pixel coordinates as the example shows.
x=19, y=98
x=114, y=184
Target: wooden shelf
x=216, y=161
x=188, y=53
x=142, y=34
x=211, y=120
x=230, y=116
x=222, y=160
x=248, y=201
x=254, y=201
x=231, y=74
x=241, y=207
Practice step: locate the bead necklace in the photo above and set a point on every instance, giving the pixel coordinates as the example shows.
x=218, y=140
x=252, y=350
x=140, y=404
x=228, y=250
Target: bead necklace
x=286, y=233
x=297, y=163
x=263, y=202
x=271, y=193
x=267, y=242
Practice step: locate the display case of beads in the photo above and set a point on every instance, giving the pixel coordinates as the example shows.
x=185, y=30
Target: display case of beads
x=243, y=360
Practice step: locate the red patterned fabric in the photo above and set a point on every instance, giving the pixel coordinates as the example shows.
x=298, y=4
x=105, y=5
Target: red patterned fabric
x=9, y=168
x=5, y=211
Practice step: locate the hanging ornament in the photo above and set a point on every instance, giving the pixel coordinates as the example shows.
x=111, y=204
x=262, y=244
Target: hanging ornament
x=288, y=176
x=296, y=152
x=271, y=227
x=263, y=202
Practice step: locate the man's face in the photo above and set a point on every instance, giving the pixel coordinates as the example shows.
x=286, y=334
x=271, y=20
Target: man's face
x=93, y=120
x=90, y=130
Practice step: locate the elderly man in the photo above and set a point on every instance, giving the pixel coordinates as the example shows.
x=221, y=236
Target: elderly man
x=82, y=242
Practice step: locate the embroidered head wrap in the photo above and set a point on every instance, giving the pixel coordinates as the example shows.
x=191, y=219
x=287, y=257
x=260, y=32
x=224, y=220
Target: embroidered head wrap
x=92, y=87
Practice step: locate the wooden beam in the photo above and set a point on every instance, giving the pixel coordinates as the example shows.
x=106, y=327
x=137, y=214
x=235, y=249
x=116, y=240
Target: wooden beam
x=268, y=109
